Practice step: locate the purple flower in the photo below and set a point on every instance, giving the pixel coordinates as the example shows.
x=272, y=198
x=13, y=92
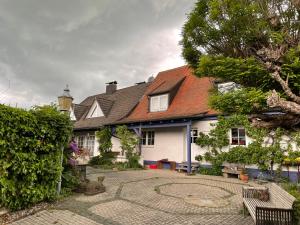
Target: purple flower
x=72, y=161
x=74, y=147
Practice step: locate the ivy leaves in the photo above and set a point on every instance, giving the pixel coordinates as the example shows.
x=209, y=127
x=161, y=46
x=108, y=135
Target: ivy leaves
x=104, y=139
x=264, y=150
x=30, y=143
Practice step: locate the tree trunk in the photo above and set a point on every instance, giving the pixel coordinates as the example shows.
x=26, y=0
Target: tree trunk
x=274, y=101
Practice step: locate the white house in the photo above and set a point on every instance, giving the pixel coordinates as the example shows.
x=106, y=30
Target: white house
x=168, y=113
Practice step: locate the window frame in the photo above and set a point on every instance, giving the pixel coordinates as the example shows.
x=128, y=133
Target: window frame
x=149, y=139
x=159, y=106
x=239, y=137
x=90, y=144
x=79, y=141
x=193, y=137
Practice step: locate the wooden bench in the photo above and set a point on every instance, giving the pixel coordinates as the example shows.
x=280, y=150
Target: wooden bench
x=277, y=210
x=184, y=167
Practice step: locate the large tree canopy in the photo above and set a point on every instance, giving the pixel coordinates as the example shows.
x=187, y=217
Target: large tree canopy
x=255, y=43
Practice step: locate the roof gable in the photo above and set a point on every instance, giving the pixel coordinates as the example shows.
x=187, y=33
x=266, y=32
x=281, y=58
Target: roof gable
x=72, y=114
x=95, y=110
x=105, y=105
x=114, y=106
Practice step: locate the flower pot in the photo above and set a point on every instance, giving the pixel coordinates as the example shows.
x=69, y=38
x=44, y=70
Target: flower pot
x=244, y=178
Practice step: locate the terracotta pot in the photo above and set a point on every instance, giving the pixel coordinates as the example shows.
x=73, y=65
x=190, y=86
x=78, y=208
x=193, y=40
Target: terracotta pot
x=244, y=177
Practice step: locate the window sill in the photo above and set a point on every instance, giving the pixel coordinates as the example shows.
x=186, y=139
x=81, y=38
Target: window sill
x=147, y=146
x=234, y=145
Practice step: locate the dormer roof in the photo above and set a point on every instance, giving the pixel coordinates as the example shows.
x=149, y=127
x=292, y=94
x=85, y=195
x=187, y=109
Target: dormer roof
x=190, y=96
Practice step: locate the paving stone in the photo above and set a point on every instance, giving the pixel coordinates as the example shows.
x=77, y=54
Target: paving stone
x=59, y=217
x=151, y=197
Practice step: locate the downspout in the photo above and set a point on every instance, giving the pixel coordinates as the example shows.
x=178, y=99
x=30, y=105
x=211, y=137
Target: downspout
x=188, y=142
x=140, y=140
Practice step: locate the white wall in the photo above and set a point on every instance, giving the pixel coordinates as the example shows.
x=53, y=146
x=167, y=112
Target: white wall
x=204, y=126
x=169, y=143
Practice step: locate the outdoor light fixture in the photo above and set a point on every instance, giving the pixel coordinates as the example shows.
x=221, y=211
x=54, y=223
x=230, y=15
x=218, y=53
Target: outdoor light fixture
x=65, y=100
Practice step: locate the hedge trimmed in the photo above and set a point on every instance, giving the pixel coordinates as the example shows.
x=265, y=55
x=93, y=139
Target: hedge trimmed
x=30, y=151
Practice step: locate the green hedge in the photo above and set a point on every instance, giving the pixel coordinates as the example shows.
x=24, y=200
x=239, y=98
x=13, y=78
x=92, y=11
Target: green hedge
x=30, y=143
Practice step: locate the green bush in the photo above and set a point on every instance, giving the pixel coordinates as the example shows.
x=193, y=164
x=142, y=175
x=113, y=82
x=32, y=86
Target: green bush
x=133, y=161
x=30, y=153
x=106, y=158
x=294, y=190
x=215, y=170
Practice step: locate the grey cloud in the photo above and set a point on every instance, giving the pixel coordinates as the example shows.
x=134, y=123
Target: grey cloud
x=47, y=44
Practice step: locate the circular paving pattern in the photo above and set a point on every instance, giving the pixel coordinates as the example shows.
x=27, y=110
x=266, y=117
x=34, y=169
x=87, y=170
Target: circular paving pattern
x=197, y=194
x=184, y=195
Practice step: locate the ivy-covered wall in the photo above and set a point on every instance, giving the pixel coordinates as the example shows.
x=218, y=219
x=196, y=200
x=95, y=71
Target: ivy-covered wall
x=30, y=150
x=266, y=148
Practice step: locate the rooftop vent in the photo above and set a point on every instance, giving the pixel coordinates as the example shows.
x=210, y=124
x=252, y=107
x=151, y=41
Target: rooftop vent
x=150, y=79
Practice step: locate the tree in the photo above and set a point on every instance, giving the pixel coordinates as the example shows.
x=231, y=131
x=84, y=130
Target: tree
x=254, y=43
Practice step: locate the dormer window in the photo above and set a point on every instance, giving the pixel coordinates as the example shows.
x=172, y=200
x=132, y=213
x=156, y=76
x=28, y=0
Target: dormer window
x=95, y=111
x=159, y=103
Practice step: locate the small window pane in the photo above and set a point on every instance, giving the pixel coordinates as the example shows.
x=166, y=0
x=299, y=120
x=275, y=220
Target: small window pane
x=144, y=137
x=242, y=132
x=154, y=104
x=150, y=137
x=80, y=141
x=194, y=135
x=235, y=141
x=242, y=141
x=163, y=102
x=234, y=132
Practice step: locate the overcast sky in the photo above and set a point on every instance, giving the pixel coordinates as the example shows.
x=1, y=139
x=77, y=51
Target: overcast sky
x=46, y=44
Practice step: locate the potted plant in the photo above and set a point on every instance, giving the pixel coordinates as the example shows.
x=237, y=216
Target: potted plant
x=244, y=176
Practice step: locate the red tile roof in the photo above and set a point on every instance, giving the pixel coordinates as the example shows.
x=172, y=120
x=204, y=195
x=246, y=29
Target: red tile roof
x=191, y=99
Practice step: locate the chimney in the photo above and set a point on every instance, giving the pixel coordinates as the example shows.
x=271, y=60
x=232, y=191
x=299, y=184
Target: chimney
x=111, y=87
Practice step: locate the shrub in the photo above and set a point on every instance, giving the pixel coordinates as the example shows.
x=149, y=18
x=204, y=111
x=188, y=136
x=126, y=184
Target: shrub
x=133, y=161
x=30, y=154
x=215, y=170
x=294, y=190
x=106, y=158
x=129, y=142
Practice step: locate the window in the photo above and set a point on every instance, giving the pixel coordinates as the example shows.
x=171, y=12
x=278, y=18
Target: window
x=194, y=135
x=80, y=141
x=148, y=137
x=159, y=103
x=144, y=138
x=238, y=136
x=90, y=144
x=95, y=111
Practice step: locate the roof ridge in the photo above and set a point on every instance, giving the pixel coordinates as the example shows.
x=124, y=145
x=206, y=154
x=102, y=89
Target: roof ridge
x=104, y=94
x=173, y=69
x=79, y=104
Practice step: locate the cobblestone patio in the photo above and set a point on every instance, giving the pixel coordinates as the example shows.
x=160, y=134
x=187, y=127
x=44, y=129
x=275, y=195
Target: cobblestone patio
x=151, y=197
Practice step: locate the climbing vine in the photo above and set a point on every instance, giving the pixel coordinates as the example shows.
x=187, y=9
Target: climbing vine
x=264, y=150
